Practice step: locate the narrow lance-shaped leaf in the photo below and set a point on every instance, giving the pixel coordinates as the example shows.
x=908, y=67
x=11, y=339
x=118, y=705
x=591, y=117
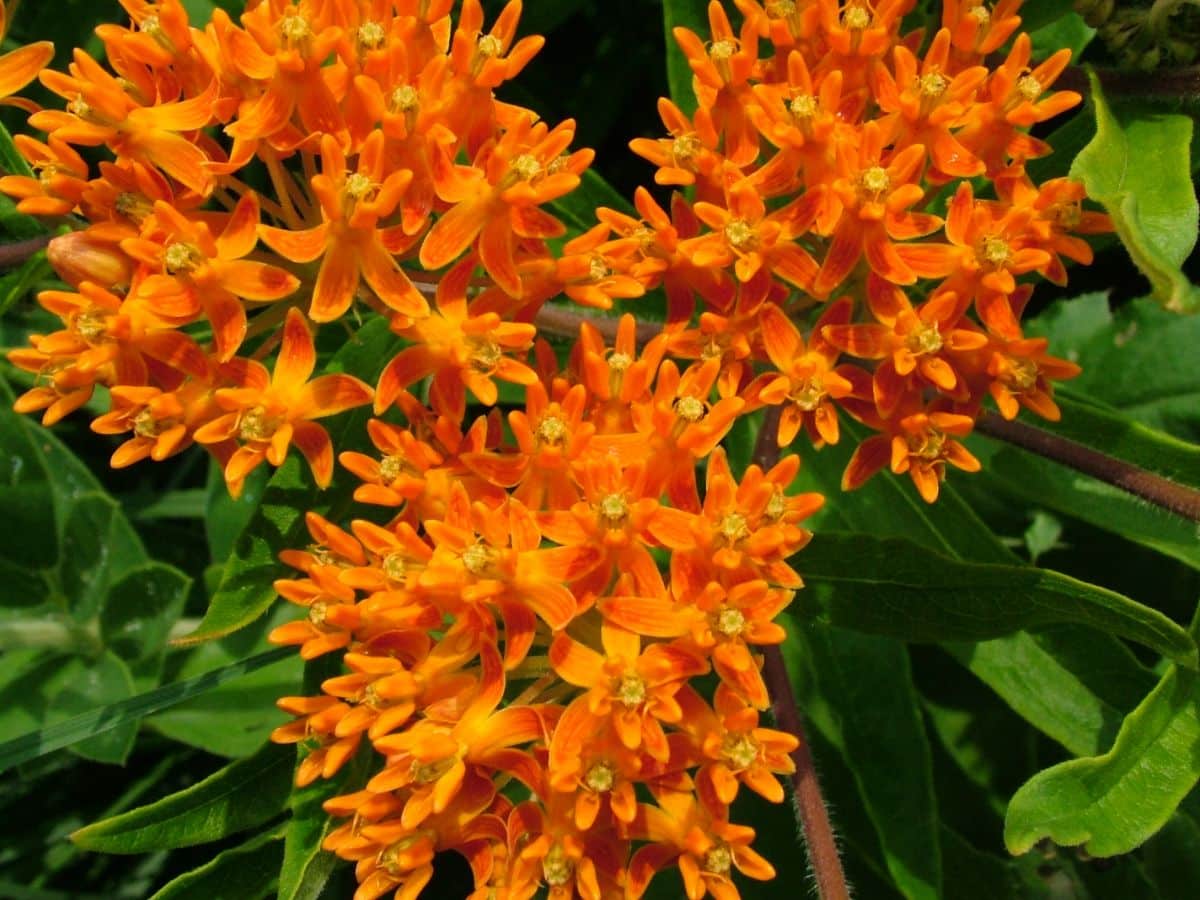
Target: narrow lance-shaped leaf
x=1139, y=167
x=241, y=795
x=97, y=721
x=688, y=14
x=895, y=588
x=247, y=872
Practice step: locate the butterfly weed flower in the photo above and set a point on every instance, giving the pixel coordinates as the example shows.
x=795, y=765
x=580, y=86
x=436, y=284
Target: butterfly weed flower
x=547, y=631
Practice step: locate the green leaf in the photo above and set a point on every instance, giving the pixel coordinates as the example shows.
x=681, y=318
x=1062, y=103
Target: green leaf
x=1172, y=857
x=85, y=567
x=1069, y=31
x=860, y=693
x=246, y=590
x=1071, y=685
x=226, y=517
x=1112, y=803
x=78, y=728
x=141, y=608
x=16, y=284
x=896, y=588
x=1139, y=167
x=242, y=795
x=247, y=872
x=234, y=719
x=101, y=683
x=690, y=14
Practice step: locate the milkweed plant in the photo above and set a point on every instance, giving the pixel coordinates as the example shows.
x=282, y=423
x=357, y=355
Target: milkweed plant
x=795, y=494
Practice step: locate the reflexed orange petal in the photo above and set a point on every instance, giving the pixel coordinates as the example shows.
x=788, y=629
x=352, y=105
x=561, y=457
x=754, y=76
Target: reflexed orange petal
x=313, y=441
x=297, y=356
x=22, y=65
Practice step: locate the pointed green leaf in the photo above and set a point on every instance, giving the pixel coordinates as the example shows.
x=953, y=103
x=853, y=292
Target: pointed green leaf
x=1112, y=803
x=247, y=872
x=896, y=588
x=81, y=727
x=242, y=795
x=1139, y=167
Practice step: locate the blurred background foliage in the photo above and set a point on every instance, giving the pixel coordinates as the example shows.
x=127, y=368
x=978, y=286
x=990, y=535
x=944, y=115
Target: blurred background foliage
x=919, y=753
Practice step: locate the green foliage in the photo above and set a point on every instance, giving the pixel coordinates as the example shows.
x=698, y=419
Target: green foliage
x=246, y=793
x=1139, y=166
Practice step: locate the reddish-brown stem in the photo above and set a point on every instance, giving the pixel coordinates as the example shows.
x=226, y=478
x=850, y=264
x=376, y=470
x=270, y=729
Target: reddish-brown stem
x=806, y=787
x=12, y=255
x=1170, y=495
x=565, y=323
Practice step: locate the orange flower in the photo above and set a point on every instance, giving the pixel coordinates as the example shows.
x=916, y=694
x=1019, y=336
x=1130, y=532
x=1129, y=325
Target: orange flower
x=706, y=846
x=462, y=345
x=350, y=243
x=496, y=199
x=808, y=381
x=268, y=412
x=921, y=445
x=210, y=273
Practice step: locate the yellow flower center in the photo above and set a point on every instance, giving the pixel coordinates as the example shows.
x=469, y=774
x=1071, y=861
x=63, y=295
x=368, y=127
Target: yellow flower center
x=552, y=430
x=856, y=18
x=739, y=750
x=619, y=362
x=740, y=235
x=371, y=35
x=395, y=567
x=614, y=508
x=91, y=325
x=689, y=409
x=557, y=867
x=720, y=51
x=780, y=9
x=476, y=559
x=803, y=106
x=684, y=148
x=927, y=446
x=526, y=167
x=180, y=257
x=730, y=622
x=718, y=860
x=1029, y=87
x=777, y=505
x=631, y=691
x=980, y=14
x=257, y=425
x=490, y=46
x=932, y=85
x=80, y=107
x=426, y=773
x=808, y=394
x=486, y=356
x=392, y=467
x=405, y=98
x=875, y=180
x=359, y=186
x=734, y=528
x=151, y=26
x=598, y=269
x=1022, y=373
x=996, y=251
x=294, y=28
x=317, y=612
x=600, y=778
x=926, y=339
x=146, y=425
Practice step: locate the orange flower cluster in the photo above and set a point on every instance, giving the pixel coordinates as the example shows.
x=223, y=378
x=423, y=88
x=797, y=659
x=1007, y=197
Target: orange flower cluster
x=511, y=625
x=373, y=127
x=811, y=169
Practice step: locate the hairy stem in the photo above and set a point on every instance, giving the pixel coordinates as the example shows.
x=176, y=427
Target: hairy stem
x=806, y=787
x=12, y=255
x=1177, y=498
